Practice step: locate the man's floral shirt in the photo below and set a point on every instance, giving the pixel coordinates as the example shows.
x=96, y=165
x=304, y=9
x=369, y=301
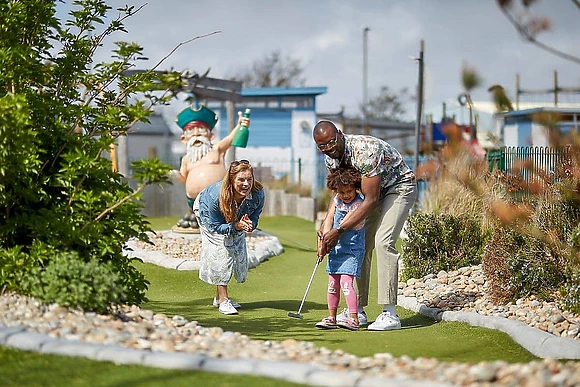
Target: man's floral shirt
x=372, y=156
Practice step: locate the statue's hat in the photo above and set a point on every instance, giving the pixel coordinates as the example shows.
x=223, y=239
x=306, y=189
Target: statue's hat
x=203, y=114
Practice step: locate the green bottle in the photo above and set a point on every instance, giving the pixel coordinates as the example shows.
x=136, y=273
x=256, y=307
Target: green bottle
x=242, y=134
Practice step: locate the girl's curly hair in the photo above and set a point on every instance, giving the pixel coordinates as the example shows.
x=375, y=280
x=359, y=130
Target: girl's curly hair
x=341, y=177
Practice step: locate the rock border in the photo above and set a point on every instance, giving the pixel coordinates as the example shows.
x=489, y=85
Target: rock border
x=262, y=251
x=302, y=373
x=538, y=342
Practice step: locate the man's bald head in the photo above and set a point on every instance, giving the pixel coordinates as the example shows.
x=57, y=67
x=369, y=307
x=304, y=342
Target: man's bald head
x=325, y=129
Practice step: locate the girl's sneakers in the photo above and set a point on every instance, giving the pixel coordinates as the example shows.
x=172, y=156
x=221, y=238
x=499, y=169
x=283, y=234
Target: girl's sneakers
x=349, y=324
x=327, y=323
x=345, y=315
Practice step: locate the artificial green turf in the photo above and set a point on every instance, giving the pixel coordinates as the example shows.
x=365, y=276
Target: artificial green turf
x=273, y=288
x=277, y=286
x=31, y=369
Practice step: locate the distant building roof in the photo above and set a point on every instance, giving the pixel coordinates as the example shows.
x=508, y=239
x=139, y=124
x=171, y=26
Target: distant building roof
x=542, y=109
x=156, y=125
x=283, y=91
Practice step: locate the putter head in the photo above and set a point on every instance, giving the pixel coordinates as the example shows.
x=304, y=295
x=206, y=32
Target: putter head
x=295, y=315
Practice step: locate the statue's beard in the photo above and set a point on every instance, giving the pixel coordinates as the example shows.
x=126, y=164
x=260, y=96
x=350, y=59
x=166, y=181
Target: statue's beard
x=198, y=151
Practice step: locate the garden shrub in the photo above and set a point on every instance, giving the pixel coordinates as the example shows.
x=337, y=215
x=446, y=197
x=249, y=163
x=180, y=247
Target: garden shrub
x=73, y=282
x=570, y=292
x=65, y=211
x=438, y=242
x=518, y=265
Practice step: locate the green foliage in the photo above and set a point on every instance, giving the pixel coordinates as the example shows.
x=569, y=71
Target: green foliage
x=518, y=265
x=570, y=292
x=470, y=78
x=60, y=113
x=534, y=261
x=15, y=266
x=72, y=282
x=438, y=242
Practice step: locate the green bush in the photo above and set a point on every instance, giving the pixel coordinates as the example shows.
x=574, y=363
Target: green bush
x=60, y=113
x=570, y=292
x=495, y=264
x=71, y=282
x=438, y=242
x=519, y=265
x=15, y=267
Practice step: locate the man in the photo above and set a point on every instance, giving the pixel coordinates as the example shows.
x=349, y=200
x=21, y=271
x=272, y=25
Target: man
x=203, y=164
x=390, y=190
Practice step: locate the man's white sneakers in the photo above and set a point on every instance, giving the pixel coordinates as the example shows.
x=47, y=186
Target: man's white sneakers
x=385, y=322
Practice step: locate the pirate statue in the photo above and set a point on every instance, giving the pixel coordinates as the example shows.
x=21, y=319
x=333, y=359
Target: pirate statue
x=203, y=164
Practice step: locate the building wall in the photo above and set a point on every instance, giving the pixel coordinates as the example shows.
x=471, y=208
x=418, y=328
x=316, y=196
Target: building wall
x=524, y=133
x=280, y=143
x=539, y=137
x=142, y=146
x=304, y=149
x=510, y=135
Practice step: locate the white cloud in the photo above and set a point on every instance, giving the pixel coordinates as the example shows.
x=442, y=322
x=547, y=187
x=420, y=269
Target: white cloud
x=327, y=37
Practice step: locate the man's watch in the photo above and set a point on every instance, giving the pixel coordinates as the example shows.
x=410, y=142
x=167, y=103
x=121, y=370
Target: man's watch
x=340, y=230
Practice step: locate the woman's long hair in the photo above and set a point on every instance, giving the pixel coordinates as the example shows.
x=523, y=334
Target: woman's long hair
x=228, y=204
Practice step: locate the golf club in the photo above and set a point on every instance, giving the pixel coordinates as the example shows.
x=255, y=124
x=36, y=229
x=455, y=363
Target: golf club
x=297, y=314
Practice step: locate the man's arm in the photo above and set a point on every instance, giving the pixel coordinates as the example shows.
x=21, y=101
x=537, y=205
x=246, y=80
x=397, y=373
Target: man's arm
x=328, y=219
x=325, y=226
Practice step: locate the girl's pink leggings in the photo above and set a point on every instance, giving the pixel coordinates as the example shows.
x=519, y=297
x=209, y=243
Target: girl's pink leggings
x=346, y=282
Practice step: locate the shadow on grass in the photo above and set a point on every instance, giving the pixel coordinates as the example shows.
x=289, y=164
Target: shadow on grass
x=268, y=319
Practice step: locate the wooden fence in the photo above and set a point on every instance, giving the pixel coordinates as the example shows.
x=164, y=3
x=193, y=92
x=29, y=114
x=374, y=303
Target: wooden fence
x=171, y=201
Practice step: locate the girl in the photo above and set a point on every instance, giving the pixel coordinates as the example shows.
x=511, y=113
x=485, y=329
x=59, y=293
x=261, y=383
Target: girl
x=345, y=259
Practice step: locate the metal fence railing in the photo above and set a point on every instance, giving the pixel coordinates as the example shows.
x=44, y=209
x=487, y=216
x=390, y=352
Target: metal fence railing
x=528, y=160
x=525, y=166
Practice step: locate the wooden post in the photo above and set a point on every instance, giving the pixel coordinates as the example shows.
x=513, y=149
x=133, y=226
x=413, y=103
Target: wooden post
x=420, y=62
x=555, y=88
x=113, y=154
x=122, y=155
x=517, y=91
x=231, y=122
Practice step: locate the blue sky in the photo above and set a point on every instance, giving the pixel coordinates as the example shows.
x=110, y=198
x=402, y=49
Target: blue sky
x=327, y=36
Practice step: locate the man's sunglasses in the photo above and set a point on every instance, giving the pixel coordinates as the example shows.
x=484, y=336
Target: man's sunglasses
x=329, y=145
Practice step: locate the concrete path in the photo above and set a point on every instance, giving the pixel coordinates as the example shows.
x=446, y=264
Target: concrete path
x=303, y=373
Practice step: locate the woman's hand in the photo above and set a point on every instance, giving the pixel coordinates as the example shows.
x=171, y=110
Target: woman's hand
x=244, y=224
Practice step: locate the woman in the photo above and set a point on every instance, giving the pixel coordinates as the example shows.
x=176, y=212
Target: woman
x=225, y=211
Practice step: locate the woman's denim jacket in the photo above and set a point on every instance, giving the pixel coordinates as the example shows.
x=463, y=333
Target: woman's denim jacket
x=212, y=218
